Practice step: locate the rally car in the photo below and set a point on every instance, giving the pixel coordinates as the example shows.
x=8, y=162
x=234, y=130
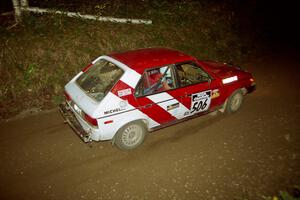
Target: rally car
x=123, y=96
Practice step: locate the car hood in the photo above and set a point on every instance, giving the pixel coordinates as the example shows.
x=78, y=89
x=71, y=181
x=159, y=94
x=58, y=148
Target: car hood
x=223, y=70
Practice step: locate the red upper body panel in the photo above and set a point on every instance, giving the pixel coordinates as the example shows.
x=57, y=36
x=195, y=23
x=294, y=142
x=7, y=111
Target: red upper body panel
x=142, y=59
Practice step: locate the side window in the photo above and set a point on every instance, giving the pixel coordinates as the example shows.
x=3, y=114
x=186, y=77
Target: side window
x=189, y=74
x=156, y=80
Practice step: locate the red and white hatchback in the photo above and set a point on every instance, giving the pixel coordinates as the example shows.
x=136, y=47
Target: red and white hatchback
x=122, y=96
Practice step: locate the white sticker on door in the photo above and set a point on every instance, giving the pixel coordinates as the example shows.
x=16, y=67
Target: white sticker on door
x=200, y=101
x=124, y=92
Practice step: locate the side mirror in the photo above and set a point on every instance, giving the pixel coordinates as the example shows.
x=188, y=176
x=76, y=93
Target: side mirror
x=209, y=80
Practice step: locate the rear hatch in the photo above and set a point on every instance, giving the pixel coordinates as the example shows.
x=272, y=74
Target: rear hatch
x=90, y=86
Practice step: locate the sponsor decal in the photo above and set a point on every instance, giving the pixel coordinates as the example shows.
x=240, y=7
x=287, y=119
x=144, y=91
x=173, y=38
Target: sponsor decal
x=173, y=106
x=113, y=111
x=215, y=93
x=200, y=101
x=229, y=80
x=125, y=92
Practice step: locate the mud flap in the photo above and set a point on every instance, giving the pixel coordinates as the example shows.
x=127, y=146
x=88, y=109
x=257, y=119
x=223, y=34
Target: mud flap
x=73, y=122
x=223, y=107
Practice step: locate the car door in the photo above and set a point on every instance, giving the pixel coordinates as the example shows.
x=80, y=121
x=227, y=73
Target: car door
x=153, y=95
x=194, y=88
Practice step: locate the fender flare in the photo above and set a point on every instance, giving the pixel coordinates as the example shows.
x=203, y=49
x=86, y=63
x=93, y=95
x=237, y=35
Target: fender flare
x=244, y=91
x=144, y=121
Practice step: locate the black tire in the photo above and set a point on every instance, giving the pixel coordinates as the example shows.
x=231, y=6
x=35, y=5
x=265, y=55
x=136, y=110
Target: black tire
x=131, y=135
x=234, y=102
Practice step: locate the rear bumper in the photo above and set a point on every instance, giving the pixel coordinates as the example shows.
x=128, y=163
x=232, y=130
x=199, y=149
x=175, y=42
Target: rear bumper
x=73, y=122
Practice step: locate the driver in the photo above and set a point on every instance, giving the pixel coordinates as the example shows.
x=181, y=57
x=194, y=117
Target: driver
x=157, y=82
x=182, y=75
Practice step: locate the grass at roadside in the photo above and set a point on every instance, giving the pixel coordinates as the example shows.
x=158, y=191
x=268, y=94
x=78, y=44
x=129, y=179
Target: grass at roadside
x=292, y=193
x=38, y=57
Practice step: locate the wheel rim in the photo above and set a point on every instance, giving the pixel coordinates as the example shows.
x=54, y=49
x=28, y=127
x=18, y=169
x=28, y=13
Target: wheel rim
x=132, y=135
x=236, y=102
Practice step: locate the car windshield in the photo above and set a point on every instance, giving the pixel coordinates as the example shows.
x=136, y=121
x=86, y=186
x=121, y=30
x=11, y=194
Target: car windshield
x=99, y=79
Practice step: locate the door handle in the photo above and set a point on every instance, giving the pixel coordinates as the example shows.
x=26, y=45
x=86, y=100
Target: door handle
x=148, y=106
x=187, y=94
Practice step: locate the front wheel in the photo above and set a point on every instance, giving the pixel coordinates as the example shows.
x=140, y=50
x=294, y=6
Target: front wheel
x=130, y=136
x=234, y=102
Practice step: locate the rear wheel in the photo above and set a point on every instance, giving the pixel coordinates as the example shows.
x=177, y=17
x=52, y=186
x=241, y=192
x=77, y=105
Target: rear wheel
x=130, y=136
x=234, y=102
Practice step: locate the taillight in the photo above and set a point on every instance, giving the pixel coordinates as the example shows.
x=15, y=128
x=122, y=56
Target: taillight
x=87, y=67
x=91, y=120
x=68, y=98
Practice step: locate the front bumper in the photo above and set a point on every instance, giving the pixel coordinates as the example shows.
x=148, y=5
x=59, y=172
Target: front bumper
x=73, y=122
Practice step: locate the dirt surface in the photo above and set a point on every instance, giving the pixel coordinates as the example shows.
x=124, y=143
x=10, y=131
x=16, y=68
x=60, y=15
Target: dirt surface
x=251, y=153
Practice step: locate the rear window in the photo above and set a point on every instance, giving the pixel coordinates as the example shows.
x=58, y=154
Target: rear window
x=99, y=79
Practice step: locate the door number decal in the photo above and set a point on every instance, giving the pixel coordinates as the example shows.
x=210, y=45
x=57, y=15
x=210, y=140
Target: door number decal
x=200, y=101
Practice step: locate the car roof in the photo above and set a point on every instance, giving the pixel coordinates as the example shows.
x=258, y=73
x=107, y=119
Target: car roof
x=142, y=59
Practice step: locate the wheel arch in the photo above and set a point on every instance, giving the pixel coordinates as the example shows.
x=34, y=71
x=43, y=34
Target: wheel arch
x=125, y=122
x=229, y=93
x=234, y=88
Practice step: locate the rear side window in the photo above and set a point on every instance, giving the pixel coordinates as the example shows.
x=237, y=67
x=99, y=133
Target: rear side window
x=155, y=81
x=99, y=79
